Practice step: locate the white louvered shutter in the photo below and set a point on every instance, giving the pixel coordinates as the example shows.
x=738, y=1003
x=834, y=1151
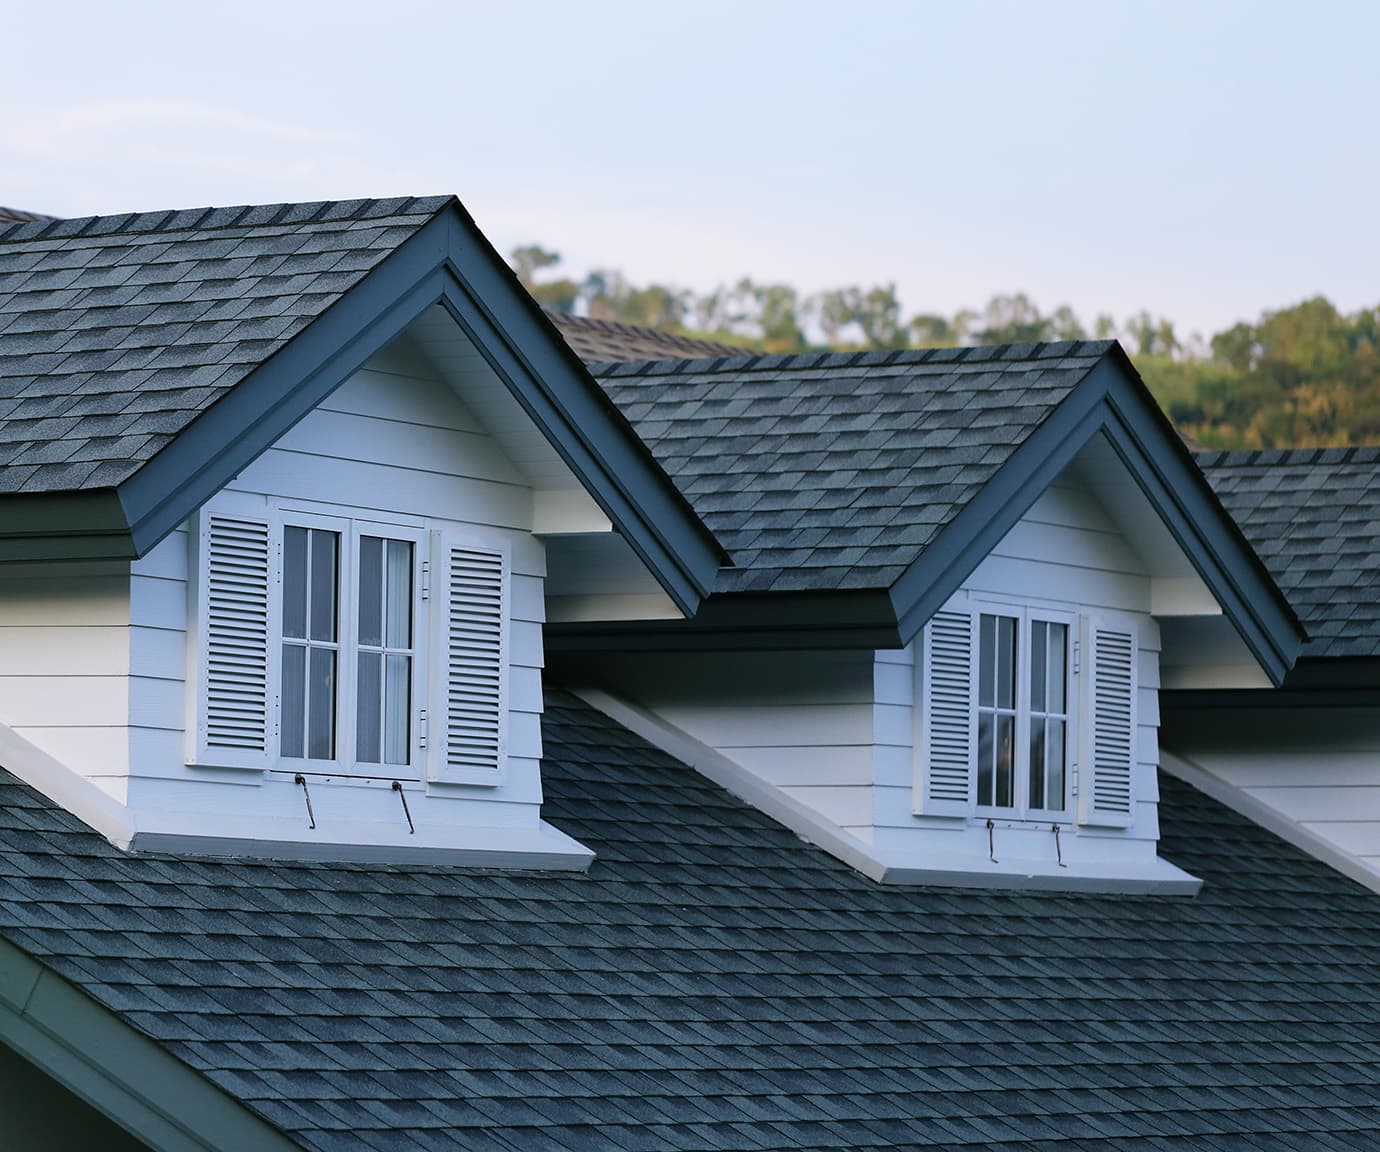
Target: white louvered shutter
x=947, y=754
x=1107, y=765
x=471, y=703
x=235, y=721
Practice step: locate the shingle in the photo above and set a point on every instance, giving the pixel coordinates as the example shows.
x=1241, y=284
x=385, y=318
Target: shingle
x=1310, y=516
x=745, y=417
x=105, y=295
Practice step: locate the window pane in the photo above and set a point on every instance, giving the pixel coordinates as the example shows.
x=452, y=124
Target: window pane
x=1006, y=662
x=1037, y=665
x=368, y=700
x=321, y=705
x=987, y=661
x=1055, y=766
x=397, y=702
x=324, y=580
x=292, y=724
x=399, y=617
x=1058, y=683
x=1037, y=763
x=1006, y=745
x=984, y=759
x=370, y=590
x=295, y=582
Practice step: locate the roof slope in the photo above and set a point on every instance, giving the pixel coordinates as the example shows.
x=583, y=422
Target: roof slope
x=714, y=982
x=116, y=332
x=834, y=471
x=599, y=340
x=1314, y=518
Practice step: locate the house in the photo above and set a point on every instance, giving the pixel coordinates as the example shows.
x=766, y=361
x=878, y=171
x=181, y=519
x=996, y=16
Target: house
x=416, y=737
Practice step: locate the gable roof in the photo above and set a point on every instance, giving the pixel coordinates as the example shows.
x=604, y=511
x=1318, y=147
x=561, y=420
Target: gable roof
x=146, y=358
x=1312, y=516
x=601, y=340
x=875, y=482
x=715, y=982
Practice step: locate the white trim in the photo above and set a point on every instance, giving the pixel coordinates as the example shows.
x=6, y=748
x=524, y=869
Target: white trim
x=66, y=788
x=1152, y=876
x=1271, y=819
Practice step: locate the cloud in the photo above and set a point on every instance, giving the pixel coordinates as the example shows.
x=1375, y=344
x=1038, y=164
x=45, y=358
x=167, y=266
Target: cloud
x=99, y=157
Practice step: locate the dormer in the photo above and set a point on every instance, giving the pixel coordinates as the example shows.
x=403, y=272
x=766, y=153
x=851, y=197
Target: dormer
x=275, y=581
x=940, y=648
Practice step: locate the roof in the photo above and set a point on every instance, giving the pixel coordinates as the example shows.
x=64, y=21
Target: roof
x=599, y=340
x=146, y=359
x=834, y=471
x=1313, y=515
x=9, y=215
x=116, y=332
x=714, y=982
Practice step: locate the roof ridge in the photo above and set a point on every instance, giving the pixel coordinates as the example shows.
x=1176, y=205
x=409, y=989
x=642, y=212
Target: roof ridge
x=1269, y=457
x=764, y=361
x=203, y=219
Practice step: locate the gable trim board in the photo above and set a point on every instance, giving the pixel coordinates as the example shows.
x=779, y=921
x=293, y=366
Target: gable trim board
x=448, y=262
x=1111, y=401
x=127, y=1077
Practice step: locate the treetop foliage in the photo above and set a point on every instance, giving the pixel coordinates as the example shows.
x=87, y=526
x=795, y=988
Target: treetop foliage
x=1302, y=376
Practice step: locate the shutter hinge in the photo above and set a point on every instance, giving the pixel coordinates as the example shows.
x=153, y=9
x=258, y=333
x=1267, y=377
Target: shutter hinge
x=421, y=728
x=426, y=581
x=1077, y=655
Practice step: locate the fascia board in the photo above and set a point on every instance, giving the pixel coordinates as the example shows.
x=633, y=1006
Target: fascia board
x=570, y=408
x=446, y=261
x=938, y=572
x=124, y=1075
x=1111, y=400
x=1179, y=492
x=746, y=621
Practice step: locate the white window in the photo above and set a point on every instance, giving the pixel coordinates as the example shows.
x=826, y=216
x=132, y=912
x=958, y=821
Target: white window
x=324, y=647
x=1013, y=726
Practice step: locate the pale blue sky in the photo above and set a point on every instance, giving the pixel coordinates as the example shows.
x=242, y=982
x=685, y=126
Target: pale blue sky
x=1203, y=160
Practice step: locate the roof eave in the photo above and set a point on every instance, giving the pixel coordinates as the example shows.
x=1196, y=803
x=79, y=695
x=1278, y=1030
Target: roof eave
x=1113, y=401
x=127, y=1077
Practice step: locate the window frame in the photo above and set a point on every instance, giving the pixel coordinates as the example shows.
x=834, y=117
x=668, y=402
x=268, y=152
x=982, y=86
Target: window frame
x=1024, y=615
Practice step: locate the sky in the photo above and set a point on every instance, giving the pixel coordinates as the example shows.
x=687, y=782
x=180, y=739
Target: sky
x=1204, y=160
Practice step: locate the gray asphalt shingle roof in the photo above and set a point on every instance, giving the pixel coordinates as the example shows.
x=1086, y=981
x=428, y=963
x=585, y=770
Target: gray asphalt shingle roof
x=836, y=470
x=116, y=332
x=716, y=983
x=1313, y=516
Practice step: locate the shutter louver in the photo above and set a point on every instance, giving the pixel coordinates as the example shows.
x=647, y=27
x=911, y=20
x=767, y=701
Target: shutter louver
x=472, y=748
x=947, y=753
x=1110, y=726
x=236, y=713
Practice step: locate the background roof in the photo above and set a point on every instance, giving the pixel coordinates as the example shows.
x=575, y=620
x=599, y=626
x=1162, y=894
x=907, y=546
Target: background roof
x=598, y=340
x=116, y=332
x=1313, y=516
x=716, y=983
x=834, y=471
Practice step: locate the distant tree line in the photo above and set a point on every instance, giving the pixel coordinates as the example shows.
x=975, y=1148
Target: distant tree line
x=1302, y=376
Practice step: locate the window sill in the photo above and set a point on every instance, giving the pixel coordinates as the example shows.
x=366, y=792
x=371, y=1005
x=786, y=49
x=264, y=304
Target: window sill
x=1152, y=877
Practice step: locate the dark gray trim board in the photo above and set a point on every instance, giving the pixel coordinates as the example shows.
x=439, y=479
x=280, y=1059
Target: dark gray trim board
x=748, y=620
x=123, y=1075
x=1112, y=401
x=448, y=262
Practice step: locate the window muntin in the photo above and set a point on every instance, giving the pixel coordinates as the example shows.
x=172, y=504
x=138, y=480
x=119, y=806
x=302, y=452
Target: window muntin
x=1022, y=714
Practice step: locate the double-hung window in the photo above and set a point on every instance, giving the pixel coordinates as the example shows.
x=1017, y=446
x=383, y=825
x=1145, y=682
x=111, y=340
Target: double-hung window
x=1021, y=707
x=326, y=645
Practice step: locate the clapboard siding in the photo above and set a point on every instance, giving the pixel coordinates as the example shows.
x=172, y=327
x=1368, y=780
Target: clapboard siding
x=1316, y=768
x=95, y=666
x=803, y=721
x=64, y=660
